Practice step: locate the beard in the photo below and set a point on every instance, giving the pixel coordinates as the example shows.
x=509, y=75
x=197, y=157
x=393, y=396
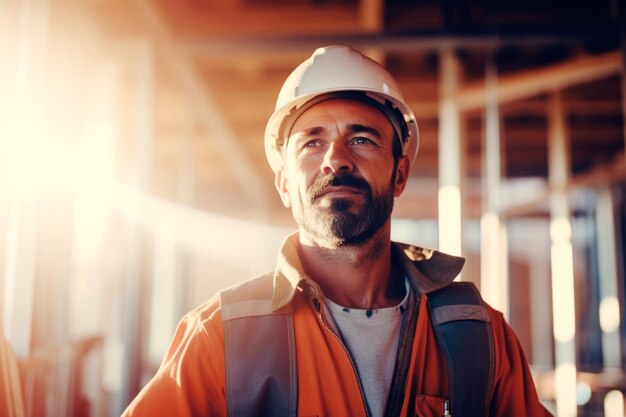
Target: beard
x=345, y=221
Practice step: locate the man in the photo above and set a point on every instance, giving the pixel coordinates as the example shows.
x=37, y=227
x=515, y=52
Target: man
x=341, y=327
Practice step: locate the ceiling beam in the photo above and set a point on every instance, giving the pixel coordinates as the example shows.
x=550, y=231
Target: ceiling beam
x=414, y=42
x=528, y=83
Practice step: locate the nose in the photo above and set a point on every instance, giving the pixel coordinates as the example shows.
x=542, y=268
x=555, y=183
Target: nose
x=337, y=158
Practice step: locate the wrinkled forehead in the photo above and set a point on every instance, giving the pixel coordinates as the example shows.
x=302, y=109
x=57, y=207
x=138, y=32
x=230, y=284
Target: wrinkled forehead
x=341, y=112
x=351, y=99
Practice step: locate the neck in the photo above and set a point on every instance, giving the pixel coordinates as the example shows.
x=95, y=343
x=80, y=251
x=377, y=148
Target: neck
x=355, y=276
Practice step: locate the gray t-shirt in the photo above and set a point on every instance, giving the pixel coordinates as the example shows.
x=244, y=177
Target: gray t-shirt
x=372, y=337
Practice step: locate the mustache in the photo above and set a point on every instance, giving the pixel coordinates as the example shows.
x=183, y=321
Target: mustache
x=330, y=180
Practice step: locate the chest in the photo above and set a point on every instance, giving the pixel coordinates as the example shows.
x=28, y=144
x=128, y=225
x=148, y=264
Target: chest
x=328, y=378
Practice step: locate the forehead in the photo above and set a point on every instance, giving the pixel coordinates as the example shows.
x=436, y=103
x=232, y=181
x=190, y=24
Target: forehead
x=342, y=112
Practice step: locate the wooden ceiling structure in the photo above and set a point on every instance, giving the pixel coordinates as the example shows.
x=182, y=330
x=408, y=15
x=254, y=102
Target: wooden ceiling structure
x=218, y=66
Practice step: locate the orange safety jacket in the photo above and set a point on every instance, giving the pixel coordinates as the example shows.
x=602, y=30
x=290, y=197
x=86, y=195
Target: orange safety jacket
x=191, y=378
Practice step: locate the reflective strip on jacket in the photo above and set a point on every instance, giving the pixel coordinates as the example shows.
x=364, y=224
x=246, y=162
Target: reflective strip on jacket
x=190, y=380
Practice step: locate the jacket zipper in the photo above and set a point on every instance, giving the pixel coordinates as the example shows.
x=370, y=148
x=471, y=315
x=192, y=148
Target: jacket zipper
x=446, y=409
x=356, y=373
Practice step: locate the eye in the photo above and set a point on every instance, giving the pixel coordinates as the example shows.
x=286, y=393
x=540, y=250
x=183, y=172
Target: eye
x=313, y=143
x=362, y=140
x=309, y=145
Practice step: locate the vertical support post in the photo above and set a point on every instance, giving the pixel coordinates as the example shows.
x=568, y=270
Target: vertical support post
x=621, y=6
x=609, y=297
x=91, y=308
x=449, y=155
x=133, y=297
x=19, y=135
x=614, y=404
x=561, y=258
x=19, y=274
x=493, y=271
x=92, y=201
x=540, y=314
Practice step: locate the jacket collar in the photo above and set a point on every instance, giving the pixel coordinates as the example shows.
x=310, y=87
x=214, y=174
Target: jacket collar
x=427, y=269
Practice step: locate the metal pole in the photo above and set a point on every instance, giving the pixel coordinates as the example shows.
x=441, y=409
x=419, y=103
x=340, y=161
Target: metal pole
x=493, y=277
x=562, y=262
x=540, y=313
x=609, y=296
x=449, y=155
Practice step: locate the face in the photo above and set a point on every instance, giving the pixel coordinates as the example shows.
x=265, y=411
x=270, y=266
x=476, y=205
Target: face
x=339, y=176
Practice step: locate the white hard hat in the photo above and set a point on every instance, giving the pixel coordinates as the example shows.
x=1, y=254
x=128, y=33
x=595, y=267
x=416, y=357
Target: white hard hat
x=333, y=71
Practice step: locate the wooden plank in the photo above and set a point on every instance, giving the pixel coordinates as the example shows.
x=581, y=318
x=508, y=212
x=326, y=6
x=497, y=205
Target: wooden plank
x=532, y=82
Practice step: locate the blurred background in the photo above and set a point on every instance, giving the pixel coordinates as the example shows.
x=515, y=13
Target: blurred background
x=134, y=185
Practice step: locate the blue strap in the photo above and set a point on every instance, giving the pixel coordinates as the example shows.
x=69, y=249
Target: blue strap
x=463, y=330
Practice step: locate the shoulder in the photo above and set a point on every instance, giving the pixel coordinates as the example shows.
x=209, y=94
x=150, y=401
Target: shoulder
x=251, y=289
x=208, y=316
x=248, y=299
x=257, y=288
x=221, y=306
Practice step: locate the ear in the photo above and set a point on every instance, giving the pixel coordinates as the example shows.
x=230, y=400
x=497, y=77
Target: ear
x=402, y=176
x=280, y=182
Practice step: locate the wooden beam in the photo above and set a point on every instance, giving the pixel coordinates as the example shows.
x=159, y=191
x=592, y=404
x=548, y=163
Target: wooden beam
x=529, y=83
x=189, y=21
